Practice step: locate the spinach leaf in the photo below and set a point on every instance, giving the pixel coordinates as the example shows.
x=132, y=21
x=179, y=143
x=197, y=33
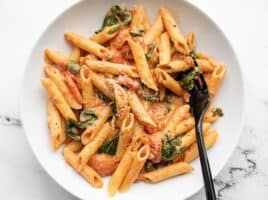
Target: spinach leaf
x=217, y=112
x=73, y=67
x=150, y=166
x=88, y=116
x=187, y=80
x=110, y=146
x=148, y=94
x=72, y=129
x=151, y=48
x=137, y=33
x=170, y=148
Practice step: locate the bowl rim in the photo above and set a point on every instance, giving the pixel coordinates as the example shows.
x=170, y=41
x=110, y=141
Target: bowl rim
x=210, y=19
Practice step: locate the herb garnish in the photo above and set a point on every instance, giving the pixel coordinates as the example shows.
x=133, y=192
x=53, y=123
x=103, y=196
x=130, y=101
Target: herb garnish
x=73, y=67
x=72, y=129
x=149, y=94
x=110, y=146
x=217, y=112
x=106, y=99
x=187, y=80
x=150, y=166
x=88, y=116
x=170, y=148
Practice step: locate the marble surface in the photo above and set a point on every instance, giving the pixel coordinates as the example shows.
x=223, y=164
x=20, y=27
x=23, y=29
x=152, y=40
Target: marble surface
x=245, y=175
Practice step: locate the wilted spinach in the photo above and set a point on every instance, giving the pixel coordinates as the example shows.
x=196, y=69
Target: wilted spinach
x=170, y=148
x=187, y=78
x=110, y=146
x=73, y=67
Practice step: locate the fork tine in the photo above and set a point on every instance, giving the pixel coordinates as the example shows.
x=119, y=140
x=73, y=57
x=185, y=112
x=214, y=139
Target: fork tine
x=204, y=84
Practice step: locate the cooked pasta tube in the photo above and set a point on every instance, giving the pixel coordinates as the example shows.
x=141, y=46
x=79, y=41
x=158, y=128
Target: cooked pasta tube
x=75, y=54
x=105, y=35
x=122, y=106
x=138, y=137
x=175, y=66
x=168, y=82
x=88, y=173
x=136, y=167
x=112, y=68
x=74, y=146
x=141, y=64
x=73, y=87
x=138, y=110
x=54, y=122
x=100, y=82
x=87, y=87
x=139, y=21
x=174, y=31
x=215, y=80
x=58, y=99
x=192, y=152
x=205, y=65
x=164, y=49
x=166, y=172
x=190, y=39
x=154, y=31
x=189, y=138
x=92, y=147
x=121, y=171
x=87, y=45
x=103, y=114
x=55, y=75
x=125, y=135
x=56, y=57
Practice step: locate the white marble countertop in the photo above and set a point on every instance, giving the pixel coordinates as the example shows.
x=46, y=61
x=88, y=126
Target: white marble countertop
x=245, y=176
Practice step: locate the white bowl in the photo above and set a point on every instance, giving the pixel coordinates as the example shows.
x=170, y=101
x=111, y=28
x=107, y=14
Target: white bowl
x=85, y=17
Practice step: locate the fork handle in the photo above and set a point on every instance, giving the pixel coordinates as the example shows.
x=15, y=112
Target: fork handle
x=207, y=177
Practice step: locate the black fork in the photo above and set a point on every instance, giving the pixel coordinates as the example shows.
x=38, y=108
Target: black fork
x=199, y=101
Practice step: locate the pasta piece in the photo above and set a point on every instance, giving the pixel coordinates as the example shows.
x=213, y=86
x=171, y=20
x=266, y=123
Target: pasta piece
x=55, y=75
x=54, y=122
x=75, y=55
x=125, y=135
x=138, y=110
x=56, y=57
x=142, y=65
x=189, y=138
x=192, y=152
x=121, y=171
x=176, y=66
x=164, y=49
x=122, y=106
x=100, y=82
x=166, y=172
x=87, y=87
x=88, y=173
x=105, y=35
x=154, y=32
x=166, y=80
x=90, y=133
x=91, y=148
x=174, y=32
x=73, y=87
x=215, y=80
x=74, y=146
x=138, y=138
x=58, y=99
x=191, y=41
x=136, y=167
x=205, y=65
x=183, y=127
x=87, y=45
x=139, y=21
x=112, y=68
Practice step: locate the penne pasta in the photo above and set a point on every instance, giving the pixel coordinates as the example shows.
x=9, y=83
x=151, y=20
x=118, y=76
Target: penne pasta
x=139, y=21
x=88, y=173
x=112, y=68
x=91, y=148
x=87, y=87
x=138, y=110
x=125, y=135
x=121, y=171
x=73, y=87
x=192, y=152
x=136, y=167
x=168, y=82
x=87, y=45
x=58, y=99
x=176, y=66
x=164, y=49
x=166, y=172
x=205, y=65
x=58, y=79
x=75, y=54
x=54, y=123
x=174, y=32
x=142, y=65
x=56, y=57
x=154, y=31
x=190, y=39
x=105, y=35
